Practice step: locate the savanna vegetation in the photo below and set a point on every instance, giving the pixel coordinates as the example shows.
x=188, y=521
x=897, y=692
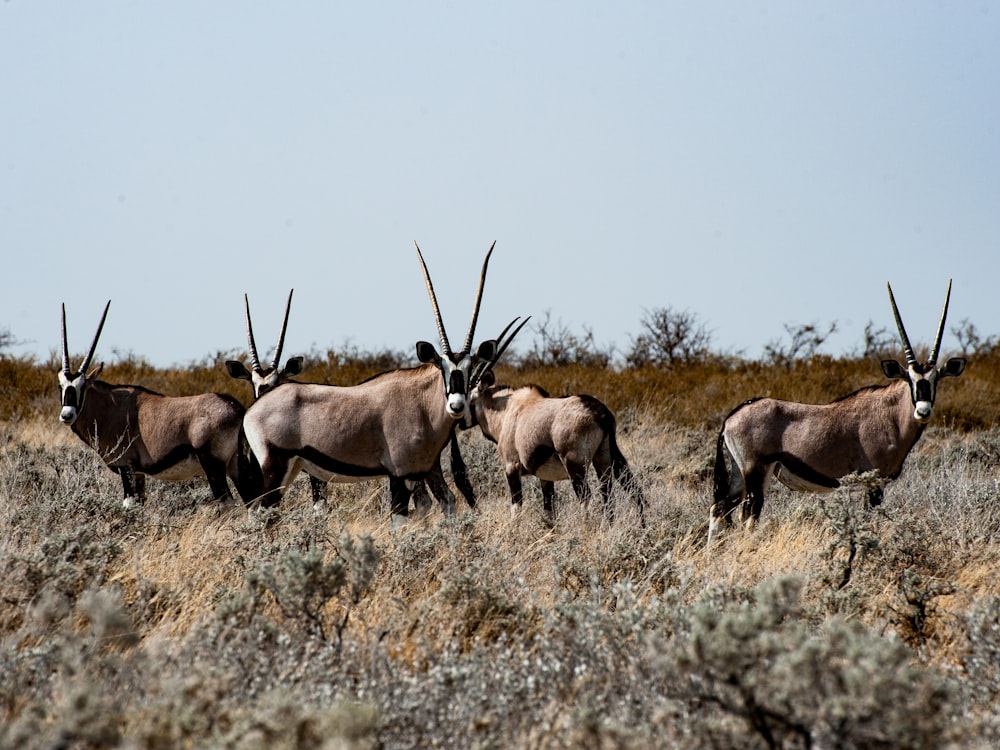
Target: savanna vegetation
x=182, y=623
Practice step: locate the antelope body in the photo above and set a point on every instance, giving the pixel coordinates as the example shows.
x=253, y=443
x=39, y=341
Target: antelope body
x=263, y=381
x=140, y=433
x=811, y=447
x=553, y=439
x=394, y=424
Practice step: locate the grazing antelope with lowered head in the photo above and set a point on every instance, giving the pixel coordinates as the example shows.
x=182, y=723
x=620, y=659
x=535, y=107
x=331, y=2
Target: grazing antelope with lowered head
x=138, y=432
x=550, y=438
x=263, y=381
x=810, y=447
x=394, y=424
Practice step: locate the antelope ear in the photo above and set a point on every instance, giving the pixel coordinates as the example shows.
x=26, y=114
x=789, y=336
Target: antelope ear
x=952, y=368
x=487, y=379
x=487, y=350
x=893, y=370
x=293, y=366
x=238, y=370
x=95, y=372
x=427, y=354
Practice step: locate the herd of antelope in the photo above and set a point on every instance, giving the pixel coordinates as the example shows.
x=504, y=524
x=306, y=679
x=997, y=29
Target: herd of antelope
x=397, y=423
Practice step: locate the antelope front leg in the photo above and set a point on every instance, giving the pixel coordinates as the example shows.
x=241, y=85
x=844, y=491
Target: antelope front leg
x=399, y=502
x=548, y=497
x=133, y=485
x=516, y=491
x=215, y=471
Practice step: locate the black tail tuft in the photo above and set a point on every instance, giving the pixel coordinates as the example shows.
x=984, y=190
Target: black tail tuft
x=623, y=474
x=720, y=490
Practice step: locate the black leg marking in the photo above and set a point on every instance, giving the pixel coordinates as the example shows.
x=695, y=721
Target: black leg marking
x=133, y=485
x=215, y=471
x=548, y=496
x=516, y=491
x=318, y=488
x=273, y=473
x=460, y=473
x=439, y=488
x=399, y=497
x=578, y=476
x=421, y=500
x=754, y=502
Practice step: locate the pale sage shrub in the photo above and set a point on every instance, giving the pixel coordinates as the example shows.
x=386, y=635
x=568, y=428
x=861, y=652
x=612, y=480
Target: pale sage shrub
x=303, y=584
x=753, y=673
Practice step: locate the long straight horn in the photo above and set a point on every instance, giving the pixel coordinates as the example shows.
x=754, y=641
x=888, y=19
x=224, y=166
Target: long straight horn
x=281, y=336
x=93, y=344
x=467, y=346
x=505, y=343
x=445, y=346
x=932, y=360
x=502, y=345
x=907, y=349
x=65, y=344
x=254, y=359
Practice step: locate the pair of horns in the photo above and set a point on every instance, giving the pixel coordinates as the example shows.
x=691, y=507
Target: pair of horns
x=911, y=358
x=93, y=344
x=445, y=345
x=254, y=359
x=502, y=344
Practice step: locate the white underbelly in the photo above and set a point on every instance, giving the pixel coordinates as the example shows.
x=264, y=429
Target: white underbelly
x=313, y=470
x=552, y=471
x=189, y=468
x=797, y=483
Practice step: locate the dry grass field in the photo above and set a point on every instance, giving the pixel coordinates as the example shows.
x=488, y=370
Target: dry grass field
x=185, y=624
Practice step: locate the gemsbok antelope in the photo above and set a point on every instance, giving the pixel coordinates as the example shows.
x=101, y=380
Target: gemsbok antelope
x=263, y=380
x=810, y=447
x=139, y=433
x=394, y=424
x=550, y=438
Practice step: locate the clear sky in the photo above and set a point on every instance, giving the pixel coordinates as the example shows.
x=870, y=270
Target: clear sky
x=754, y=163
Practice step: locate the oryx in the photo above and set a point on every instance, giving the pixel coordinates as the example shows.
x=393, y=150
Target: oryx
x=263, y=380
x=811, y=447
x=394, y=424
x=138, y=432
x=550, y=438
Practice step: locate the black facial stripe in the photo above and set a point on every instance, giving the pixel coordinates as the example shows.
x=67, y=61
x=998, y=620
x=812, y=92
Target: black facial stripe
x=924, y=392
x=457, y=382
x=69, y=396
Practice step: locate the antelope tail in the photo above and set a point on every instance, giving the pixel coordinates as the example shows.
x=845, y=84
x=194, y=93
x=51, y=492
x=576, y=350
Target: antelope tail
x=720, y=493
x=623, y=474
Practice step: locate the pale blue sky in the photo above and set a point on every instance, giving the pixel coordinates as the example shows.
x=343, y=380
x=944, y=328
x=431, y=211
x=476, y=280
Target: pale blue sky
x=755, y=163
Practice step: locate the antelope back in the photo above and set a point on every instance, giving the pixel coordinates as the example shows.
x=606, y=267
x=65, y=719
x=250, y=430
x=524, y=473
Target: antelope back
x=922, y=377
x=73, y=384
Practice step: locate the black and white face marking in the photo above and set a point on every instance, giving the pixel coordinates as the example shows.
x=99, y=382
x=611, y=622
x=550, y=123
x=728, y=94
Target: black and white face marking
x=922, y=378
x=455, y=370
x=923, y=382
x=72, y=391
x=73, y=386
